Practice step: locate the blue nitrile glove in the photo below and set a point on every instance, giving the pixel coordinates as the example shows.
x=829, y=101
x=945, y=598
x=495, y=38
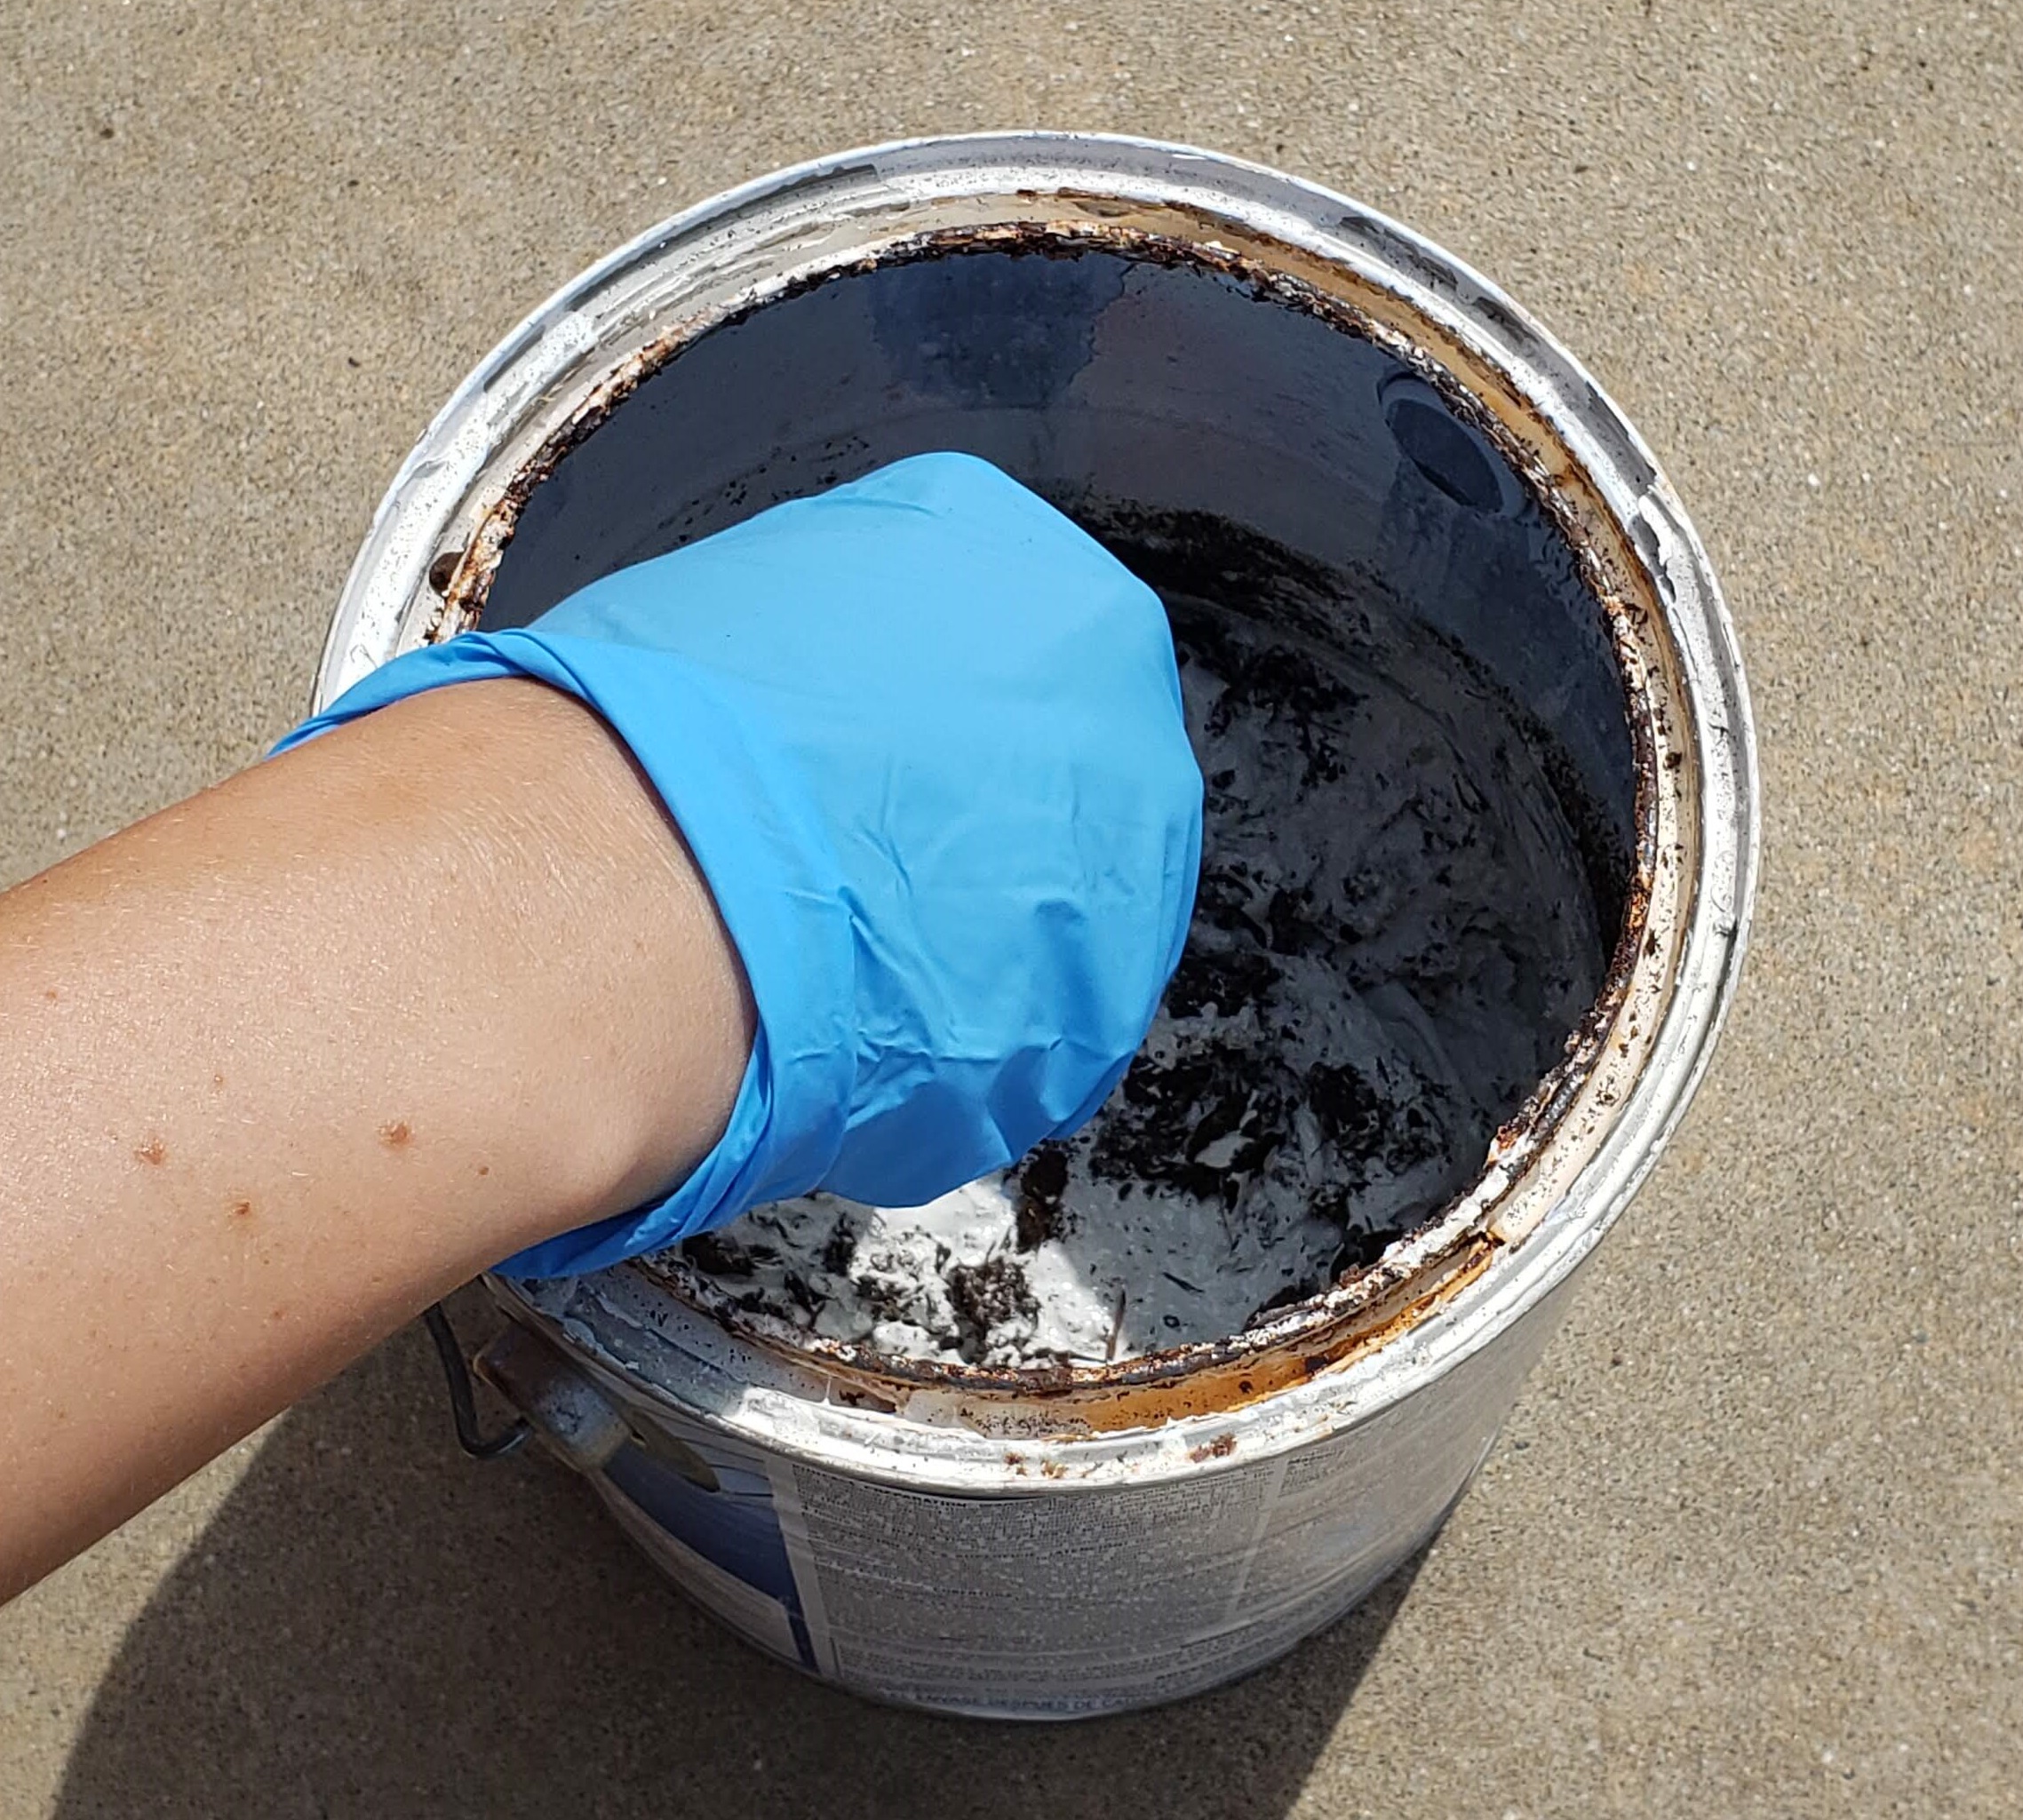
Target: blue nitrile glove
x=924, y=738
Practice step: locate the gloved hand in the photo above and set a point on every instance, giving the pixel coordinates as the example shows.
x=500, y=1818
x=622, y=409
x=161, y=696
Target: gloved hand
x=924, y=738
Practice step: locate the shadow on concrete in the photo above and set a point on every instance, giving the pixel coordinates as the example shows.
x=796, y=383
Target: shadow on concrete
x=373, y=1625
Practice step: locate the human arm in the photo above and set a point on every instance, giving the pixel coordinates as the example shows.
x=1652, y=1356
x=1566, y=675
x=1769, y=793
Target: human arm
x=286, y=1062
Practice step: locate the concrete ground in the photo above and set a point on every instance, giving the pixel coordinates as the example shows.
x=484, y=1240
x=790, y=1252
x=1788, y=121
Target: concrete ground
x=1752, y=1542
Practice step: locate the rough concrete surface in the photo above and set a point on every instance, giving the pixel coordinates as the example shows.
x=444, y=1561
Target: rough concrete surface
x=1752, y=1542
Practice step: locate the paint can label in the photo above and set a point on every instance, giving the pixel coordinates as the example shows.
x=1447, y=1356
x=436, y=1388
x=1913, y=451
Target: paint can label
x=1048, y=1605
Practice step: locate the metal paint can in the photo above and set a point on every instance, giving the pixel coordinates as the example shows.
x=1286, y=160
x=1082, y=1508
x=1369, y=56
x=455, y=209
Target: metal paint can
x=1161, y=335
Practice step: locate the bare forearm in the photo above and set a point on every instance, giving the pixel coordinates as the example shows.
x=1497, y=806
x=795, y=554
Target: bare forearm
x=282, y=1064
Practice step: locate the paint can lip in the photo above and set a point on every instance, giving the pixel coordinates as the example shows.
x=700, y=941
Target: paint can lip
x=1480, y=1252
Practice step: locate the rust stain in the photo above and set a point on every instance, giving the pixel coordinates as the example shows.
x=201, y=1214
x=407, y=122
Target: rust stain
x=1352, y=1319
x=442, y=571
x=1221, y=1448
x=858, y=1397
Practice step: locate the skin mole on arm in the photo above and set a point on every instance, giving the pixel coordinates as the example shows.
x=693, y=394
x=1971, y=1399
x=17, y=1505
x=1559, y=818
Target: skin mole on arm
x=397, y=1135
x=153, y=1151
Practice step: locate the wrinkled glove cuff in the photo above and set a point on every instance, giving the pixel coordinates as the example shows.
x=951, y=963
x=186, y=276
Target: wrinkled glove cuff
x=786, y=1127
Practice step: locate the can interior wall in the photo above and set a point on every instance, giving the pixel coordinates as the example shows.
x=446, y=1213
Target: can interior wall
x=1276, y=478
x=1157, y=398
x=1243, y=384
